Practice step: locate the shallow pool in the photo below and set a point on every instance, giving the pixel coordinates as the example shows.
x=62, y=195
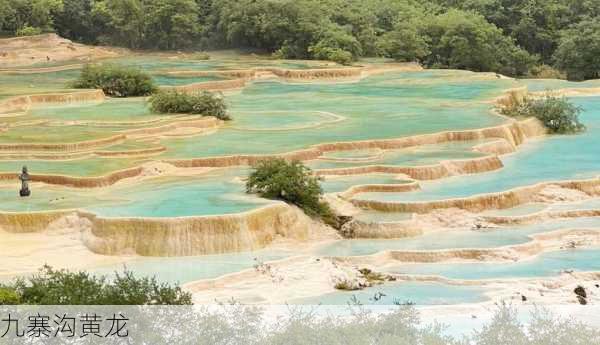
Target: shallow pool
x=378, y=107
x=332, y=184
x=218, y=192
x=401, y=292
x=191, y=268
x=544, y=265
x=487, y=238
x=549, y=159
x=413, y=156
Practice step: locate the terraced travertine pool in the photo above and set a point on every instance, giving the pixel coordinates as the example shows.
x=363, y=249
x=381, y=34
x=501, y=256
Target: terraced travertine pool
x=546, y=264
x=181, y=270
x=24, y=81
x=390, y=106
x=214, y=193
x=549, y=159
x=413, y=156
x=458, y=238
x=272, y=116
x=91, y=166
x=405, y=292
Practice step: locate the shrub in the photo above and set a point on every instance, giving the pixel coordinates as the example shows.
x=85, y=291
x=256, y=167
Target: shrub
x=61, y=287
x=291, y=182
x=200, y=56
x=203, y=103
x=546, y=72
x=28, y=31
x=9, y=296
x=336, y=55
x=556, y=113
x=346, y=285
x=115, y=80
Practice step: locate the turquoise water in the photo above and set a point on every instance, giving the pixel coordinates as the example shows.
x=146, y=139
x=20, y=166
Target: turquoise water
x=371, y=216
x=488, y=238
x=414, y=292
x=95, y=166
x=545, y=265
x=191, y=268
x=519, y=210
x=174, y=80
x=414, y=156
x=389, y=106
x=553, y=84
x=553, y=158
x=363, y=154
x=331, y=184
x=215, y=193
x=591, y=204
x=280, y=120
x=152, y=63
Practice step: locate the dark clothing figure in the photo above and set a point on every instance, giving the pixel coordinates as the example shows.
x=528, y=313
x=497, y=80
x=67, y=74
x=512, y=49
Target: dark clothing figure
x=24, y=177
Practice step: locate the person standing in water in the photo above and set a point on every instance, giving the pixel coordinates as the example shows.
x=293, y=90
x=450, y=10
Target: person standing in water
x=24, y=177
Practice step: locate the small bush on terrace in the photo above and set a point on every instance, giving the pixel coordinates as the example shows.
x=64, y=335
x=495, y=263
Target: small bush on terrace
x=28, y=31
x=115, y=80
x=558, y=114
x=203, y=103
x=61, y=287
x=291, y=182
x=9, y=296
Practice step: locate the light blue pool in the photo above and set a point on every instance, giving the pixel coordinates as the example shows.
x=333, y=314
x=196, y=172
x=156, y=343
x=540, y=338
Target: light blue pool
x=545, y=265
x=488, y=238
x=402, y=292
x=191, y=268
x=378, y=107
x=553, y=158
x=218, y=192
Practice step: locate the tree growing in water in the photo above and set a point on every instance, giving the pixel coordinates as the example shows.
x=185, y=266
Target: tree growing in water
x=202, y=103
x=115, y=80
x=557, y=114
x=293, y=183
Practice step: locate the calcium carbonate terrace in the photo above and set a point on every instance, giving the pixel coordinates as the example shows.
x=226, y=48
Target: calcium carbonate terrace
x=274, y=115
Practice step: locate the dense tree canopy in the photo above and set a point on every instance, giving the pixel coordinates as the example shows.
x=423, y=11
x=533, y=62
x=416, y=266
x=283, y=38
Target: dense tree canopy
x=579, y=51
x=513, y=37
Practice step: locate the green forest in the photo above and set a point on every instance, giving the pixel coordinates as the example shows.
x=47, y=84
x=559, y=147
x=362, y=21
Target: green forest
x=539, y=38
